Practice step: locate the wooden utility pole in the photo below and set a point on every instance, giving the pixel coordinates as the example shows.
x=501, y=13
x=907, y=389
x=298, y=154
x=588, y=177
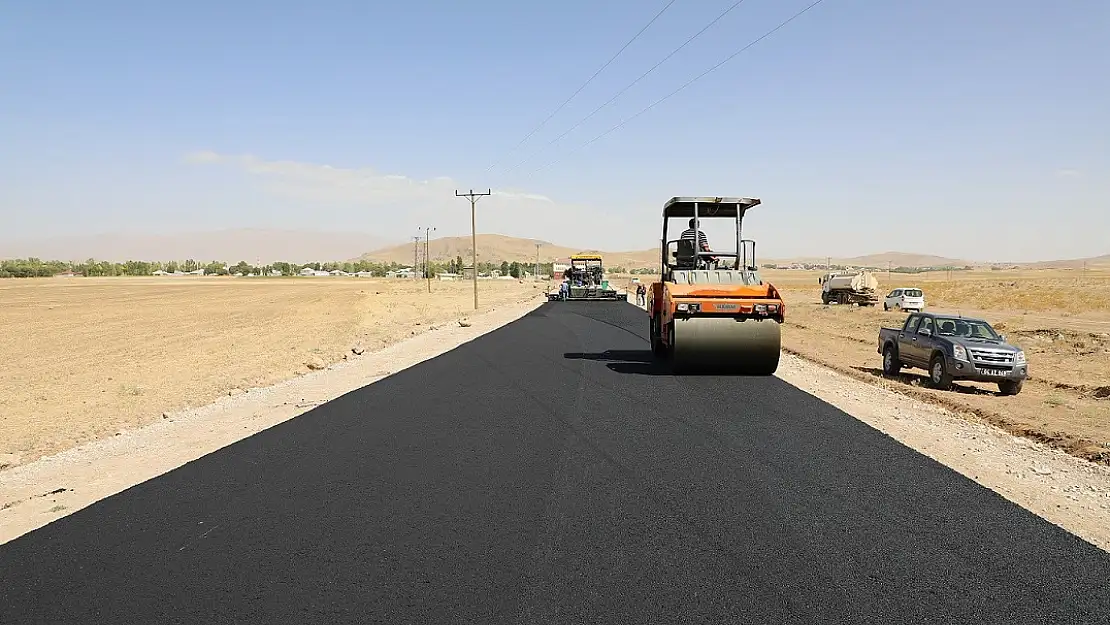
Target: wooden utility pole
x=536, y=274
x=473, y=197
x=415, y=254
x=428, y=256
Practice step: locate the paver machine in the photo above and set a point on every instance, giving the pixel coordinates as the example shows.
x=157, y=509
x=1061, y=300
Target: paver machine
x=586, y=280
x=711, y=310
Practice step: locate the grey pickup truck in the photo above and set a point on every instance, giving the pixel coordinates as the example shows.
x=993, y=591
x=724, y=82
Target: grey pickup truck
x=951, y=347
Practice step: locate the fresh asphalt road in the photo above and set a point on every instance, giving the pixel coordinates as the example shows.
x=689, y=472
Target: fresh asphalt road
x=551, y=472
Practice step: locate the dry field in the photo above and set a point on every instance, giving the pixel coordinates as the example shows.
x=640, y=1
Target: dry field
x=1061, y=318
x=85, y=358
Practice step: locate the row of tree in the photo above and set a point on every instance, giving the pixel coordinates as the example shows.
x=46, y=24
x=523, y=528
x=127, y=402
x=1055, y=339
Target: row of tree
x=38, y=268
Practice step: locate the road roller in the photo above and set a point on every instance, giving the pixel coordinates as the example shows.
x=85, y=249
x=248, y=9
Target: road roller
x=710, y=310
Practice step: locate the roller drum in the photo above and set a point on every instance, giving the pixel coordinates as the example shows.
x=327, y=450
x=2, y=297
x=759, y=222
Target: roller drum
x=725, y=344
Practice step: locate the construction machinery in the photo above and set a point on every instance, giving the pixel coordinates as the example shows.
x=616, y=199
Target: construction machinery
x=586, y=280
x=859, y=287
x=711, y=309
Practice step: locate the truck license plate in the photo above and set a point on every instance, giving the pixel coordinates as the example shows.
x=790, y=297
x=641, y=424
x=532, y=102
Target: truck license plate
x=994, y=372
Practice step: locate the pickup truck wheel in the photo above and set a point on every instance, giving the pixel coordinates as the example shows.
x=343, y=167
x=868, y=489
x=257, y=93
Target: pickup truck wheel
x=885, y=307
x=938, y=375
x=891, y=364
x=1010, y=387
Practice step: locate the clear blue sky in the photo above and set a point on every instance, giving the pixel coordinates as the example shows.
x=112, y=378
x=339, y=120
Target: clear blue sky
x=976, y=129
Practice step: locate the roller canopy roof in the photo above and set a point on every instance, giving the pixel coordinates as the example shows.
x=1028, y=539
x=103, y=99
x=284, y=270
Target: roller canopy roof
x=708, y=206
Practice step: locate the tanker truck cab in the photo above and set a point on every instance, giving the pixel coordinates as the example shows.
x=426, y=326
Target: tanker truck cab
x=712, y=309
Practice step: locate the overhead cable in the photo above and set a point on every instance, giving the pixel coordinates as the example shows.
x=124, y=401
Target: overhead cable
x=633, y=83
x=676, y=91
x=591, y=78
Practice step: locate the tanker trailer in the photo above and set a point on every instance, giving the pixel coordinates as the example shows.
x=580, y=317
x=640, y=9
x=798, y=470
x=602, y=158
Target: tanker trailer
x=859, y=288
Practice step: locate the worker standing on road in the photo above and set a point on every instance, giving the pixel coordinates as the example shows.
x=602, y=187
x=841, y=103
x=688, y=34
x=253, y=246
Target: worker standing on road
x=641, y=294
x=563, y=289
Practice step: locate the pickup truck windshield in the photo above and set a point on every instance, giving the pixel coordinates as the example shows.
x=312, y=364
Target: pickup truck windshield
x=965, y=328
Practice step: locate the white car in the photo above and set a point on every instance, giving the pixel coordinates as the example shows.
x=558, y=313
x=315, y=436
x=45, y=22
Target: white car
x=905, y=299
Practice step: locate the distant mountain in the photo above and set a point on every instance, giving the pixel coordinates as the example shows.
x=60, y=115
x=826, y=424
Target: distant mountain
x=881, y=260
x=1096, y=262
x=905, y=259
x=248, y=244
x=498, y=247
x=297, y=246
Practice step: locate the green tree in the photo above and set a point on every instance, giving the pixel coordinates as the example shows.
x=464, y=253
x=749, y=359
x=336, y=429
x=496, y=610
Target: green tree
x=32, y=268
x=137, y=268
x=504, y=267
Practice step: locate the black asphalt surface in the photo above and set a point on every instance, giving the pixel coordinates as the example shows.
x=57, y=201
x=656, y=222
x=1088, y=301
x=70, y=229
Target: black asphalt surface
x=551, y=472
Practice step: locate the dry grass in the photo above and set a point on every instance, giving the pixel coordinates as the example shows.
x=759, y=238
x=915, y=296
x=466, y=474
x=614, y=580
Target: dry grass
x=1059, y=292
x=1062, y=296
x=85, y=358
x=1061, y=318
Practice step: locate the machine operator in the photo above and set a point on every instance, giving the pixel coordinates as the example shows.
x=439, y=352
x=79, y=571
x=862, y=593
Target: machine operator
x=694, y=234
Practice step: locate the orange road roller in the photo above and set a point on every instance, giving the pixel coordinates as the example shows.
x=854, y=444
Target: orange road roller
x=711, y=310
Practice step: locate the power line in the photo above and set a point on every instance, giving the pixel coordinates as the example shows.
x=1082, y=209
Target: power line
x=676, y=91
x=591, y=78
x=634, y=82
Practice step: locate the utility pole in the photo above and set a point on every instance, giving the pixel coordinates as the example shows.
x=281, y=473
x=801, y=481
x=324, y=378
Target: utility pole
x=415, y=253
x=473, y=197
x=536, y=273
x=428, y=256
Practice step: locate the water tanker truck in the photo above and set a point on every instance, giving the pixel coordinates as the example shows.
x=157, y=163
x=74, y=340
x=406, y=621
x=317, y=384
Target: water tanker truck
x=860, y=287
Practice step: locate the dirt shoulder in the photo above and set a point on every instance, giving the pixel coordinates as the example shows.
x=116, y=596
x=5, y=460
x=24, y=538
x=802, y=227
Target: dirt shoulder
x=97, y=356
x=37, y=493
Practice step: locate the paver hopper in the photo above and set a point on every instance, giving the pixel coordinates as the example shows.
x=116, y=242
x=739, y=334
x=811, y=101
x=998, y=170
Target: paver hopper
x=711, y=309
